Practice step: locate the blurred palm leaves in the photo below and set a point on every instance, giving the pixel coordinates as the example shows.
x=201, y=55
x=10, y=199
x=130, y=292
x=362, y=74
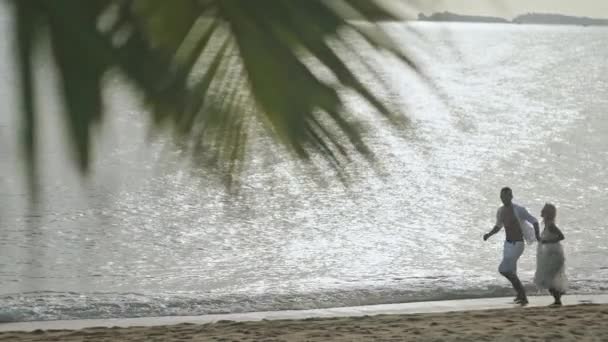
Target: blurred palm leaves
x=207, y=68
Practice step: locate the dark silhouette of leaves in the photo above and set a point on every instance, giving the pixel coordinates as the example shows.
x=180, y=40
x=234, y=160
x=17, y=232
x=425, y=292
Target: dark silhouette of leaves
x=208, y=69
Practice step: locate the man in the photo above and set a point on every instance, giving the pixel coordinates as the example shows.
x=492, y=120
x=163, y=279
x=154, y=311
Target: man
x=513, y=217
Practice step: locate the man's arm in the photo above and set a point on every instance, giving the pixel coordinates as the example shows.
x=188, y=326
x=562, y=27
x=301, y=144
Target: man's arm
x=497, y=226
x=536, y=230
x=494, y=230
x=528, y=217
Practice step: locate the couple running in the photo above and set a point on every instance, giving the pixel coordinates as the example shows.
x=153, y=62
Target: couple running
x=550, y=260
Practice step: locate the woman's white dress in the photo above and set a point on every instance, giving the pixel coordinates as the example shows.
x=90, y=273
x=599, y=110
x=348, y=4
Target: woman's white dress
x=550, y=264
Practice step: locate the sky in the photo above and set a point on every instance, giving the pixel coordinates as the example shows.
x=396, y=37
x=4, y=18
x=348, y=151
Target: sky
x=512, y=8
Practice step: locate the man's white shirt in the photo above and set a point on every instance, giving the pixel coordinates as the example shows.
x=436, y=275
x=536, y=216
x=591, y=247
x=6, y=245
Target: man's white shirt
x=525, y=220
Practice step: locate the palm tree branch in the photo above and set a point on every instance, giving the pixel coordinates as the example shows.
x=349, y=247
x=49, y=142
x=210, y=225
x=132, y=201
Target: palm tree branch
x=184, y=56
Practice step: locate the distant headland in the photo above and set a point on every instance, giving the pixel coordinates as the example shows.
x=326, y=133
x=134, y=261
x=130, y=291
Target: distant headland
x=448, y=16
x=529, y=18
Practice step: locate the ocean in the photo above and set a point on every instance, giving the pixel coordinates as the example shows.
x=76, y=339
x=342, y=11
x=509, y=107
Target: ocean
x=146, y=234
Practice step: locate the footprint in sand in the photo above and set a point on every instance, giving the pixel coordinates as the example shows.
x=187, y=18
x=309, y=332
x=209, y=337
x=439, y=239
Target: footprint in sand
x=577, y=332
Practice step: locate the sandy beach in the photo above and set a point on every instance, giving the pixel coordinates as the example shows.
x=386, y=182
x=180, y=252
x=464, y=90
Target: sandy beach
x=586, y=322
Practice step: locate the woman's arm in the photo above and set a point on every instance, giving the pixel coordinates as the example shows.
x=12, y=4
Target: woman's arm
x=558, y=235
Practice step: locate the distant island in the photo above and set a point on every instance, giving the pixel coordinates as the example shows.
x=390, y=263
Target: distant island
x=448, y=16
x=529, y=18
x=558, y=19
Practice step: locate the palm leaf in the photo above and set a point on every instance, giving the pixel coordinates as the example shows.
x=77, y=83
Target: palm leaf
x=209, y=69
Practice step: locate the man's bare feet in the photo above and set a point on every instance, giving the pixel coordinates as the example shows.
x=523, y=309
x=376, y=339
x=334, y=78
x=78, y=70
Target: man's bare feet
x=522, y=301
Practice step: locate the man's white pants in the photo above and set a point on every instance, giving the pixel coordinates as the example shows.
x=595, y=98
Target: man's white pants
x=511, y=253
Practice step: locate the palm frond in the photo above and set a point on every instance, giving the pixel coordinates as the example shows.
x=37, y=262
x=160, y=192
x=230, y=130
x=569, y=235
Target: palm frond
x=208, y=69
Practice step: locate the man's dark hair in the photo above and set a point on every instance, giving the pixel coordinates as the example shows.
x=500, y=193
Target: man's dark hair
x=506, y=189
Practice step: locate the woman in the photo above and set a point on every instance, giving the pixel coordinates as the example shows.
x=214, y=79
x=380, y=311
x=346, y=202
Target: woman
x=550, y=260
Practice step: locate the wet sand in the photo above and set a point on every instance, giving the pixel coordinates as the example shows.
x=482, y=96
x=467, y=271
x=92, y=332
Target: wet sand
x=586, y=322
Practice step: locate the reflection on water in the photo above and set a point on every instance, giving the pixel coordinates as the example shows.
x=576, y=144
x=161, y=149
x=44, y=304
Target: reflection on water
x=144, y=236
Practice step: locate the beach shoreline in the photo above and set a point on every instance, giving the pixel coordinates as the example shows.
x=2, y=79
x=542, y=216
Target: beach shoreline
x=488, y=319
